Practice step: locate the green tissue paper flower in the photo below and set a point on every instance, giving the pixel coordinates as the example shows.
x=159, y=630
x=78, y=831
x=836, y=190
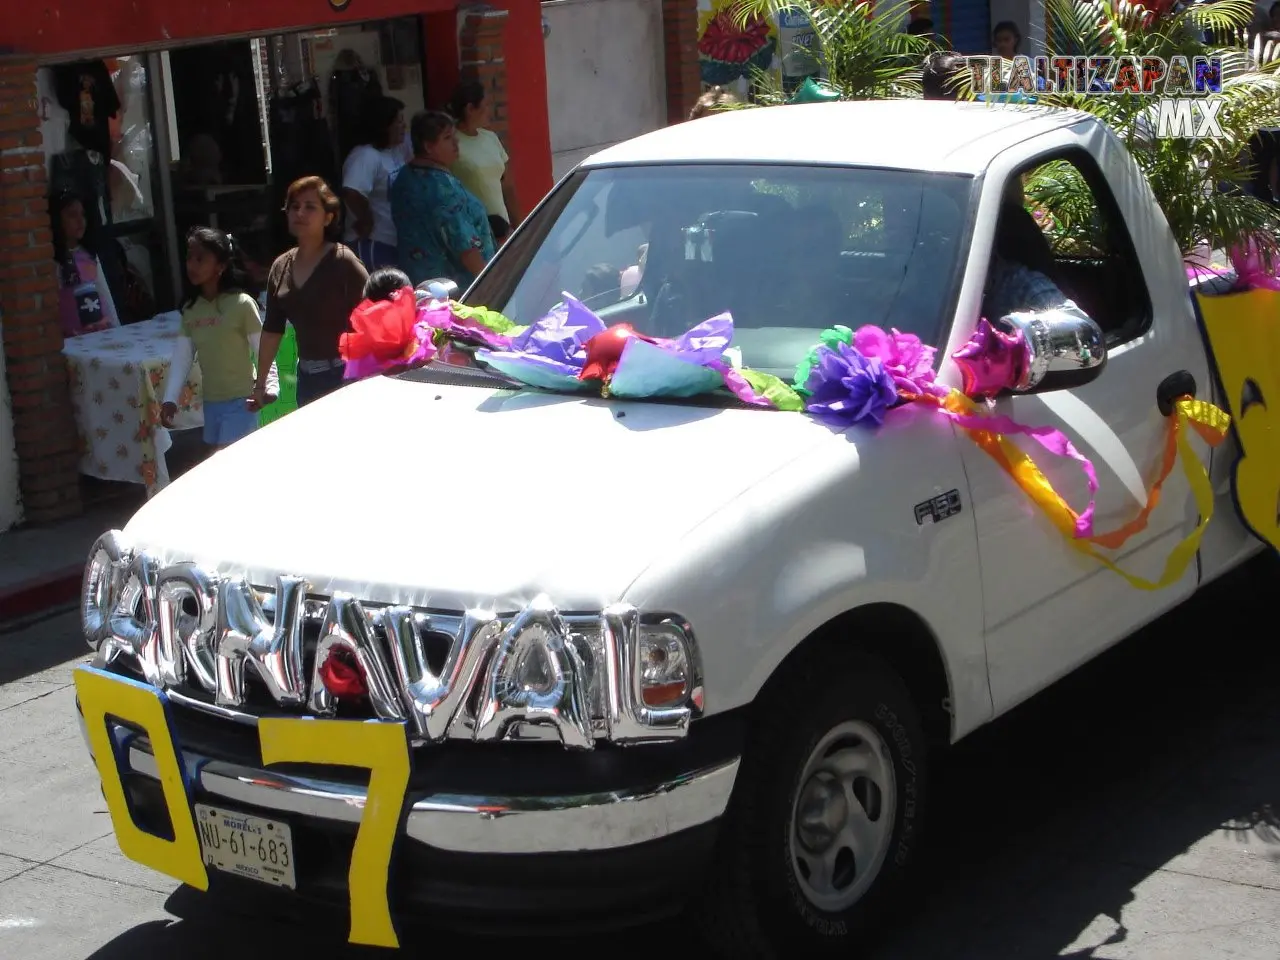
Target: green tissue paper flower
x=830, y=339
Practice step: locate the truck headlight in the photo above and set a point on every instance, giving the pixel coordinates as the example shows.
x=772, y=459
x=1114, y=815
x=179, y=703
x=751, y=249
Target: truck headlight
x=665, y=668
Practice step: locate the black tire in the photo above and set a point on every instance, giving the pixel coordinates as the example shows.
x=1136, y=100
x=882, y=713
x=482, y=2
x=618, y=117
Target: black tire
x=755, y=906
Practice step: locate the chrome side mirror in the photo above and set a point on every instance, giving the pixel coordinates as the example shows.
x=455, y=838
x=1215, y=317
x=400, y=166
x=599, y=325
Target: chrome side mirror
x=438, y=288
x=1065, y=348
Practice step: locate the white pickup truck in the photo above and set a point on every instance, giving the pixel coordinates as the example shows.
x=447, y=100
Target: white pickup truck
x=632, y=655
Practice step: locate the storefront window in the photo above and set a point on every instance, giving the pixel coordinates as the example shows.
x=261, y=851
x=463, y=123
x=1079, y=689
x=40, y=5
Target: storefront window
x=97, y=126
x=212, y=134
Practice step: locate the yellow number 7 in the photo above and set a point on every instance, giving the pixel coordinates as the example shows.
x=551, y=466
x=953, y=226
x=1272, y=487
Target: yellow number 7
x=383, y=749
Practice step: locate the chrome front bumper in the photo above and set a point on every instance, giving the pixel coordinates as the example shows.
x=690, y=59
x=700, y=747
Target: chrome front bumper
x=468, y=824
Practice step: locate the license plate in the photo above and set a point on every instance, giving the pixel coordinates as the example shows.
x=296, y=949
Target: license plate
x=248, y=846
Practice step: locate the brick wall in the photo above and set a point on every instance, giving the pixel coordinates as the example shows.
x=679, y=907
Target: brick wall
x=43, y=427
x=680, y=46
x=481, y=57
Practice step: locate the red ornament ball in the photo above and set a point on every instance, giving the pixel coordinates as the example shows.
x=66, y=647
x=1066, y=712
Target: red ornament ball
x=604, y=350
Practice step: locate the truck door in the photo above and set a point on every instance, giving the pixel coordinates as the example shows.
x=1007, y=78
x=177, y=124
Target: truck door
x=1048, y=607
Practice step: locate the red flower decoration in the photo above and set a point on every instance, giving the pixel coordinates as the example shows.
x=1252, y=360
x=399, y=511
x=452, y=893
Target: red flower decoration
x=382, y=329
x=341, y=675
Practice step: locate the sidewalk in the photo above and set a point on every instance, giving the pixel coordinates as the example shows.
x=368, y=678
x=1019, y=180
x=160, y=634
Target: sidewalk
x=41, y=566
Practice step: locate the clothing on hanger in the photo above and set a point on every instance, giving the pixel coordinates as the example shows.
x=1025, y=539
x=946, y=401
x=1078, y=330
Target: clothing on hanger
x=86, y=92
x=353, y=88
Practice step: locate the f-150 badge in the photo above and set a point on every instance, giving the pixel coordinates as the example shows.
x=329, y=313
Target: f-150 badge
x=938, y=508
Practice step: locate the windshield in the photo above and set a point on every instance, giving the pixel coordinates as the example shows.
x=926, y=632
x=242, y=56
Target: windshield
x=786, y=250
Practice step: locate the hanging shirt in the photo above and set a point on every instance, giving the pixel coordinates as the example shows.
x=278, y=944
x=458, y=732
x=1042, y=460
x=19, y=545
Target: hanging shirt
x=220, y=332
x=369, y=171
x=437, y=220
x=86, y=92
x=482, y=160
x=351, y=93
x=84, y=298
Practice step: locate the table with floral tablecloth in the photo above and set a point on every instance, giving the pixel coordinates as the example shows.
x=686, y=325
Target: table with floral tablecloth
x=117, y=384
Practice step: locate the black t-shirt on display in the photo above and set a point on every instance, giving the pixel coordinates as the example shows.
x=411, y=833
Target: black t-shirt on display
x=85, y=91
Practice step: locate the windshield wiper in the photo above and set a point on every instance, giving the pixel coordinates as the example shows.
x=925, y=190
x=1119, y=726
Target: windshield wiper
x=451, y=374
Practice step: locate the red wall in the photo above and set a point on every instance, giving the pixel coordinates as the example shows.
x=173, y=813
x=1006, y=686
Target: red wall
x=57, y=26
x=528, y=125
x=52, y=28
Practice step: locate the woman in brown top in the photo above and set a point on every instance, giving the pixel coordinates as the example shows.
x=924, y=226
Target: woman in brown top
x=314, y=286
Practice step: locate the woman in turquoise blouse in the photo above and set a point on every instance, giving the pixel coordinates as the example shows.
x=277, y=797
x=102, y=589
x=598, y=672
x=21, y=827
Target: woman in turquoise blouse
x=443, y=228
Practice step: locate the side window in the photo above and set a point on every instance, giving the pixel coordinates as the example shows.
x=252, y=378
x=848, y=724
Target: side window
x=1090, y=255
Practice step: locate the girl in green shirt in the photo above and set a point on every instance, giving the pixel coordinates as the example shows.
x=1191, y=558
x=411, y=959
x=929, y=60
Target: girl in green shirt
x=220, y=327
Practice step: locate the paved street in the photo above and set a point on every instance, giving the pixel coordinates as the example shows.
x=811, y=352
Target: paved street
x=1131, y=812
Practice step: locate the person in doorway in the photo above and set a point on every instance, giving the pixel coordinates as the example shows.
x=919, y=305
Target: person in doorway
x=482, y=163
x=1006, y=38
x=220, y=328
x=943, y=75
x=314, y=287
x=919, y=19
x=84, y=297
x=366, y=184
x=443, y=227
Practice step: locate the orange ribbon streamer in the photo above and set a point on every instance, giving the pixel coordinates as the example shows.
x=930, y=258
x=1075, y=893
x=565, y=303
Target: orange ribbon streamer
x=1208, y=421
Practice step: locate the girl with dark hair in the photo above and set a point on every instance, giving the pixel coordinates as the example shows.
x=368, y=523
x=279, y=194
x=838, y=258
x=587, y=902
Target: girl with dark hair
x=482, y=163
x=366, y=183
x=84, y=298
x=314, y=286
x=220, y=326
x=443, y=227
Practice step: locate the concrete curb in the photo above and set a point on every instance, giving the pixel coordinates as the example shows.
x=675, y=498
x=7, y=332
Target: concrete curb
x=41, y=593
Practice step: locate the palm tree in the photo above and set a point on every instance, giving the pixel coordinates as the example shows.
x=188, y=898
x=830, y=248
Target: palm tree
x=1198, y=183
x=863, y=53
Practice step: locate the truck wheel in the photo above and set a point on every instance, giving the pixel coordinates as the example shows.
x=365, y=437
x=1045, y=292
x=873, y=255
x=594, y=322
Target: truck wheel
x=825, y=818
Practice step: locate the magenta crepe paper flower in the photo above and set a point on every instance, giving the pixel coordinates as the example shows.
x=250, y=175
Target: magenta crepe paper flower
x=907, y=360
x=439, y=315
x=846, y=387
x=1247, y=260
x=992, y=360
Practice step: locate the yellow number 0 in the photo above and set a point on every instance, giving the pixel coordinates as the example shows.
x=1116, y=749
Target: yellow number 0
x=383, y=749
x=105, y=695
x=380, y=747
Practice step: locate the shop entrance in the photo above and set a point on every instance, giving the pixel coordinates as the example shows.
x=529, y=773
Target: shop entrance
x=252, y=116
x=212, y=134
x=209, y=134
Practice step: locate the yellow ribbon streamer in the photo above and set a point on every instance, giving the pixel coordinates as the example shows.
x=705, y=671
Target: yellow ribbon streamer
x=1210, y=422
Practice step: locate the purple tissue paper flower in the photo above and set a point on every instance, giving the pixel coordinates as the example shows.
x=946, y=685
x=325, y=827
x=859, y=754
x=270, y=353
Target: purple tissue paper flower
x=907, y=360
x=845, y=387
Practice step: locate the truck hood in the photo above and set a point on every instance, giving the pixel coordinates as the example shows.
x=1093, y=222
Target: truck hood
x=405, y=491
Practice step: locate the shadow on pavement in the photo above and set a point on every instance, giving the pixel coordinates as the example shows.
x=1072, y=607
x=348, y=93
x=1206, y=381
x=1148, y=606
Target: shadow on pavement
x=1044, y=823
x=65, y=641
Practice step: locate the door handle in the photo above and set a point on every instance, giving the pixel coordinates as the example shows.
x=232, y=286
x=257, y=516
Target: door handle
x=1172, y=388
